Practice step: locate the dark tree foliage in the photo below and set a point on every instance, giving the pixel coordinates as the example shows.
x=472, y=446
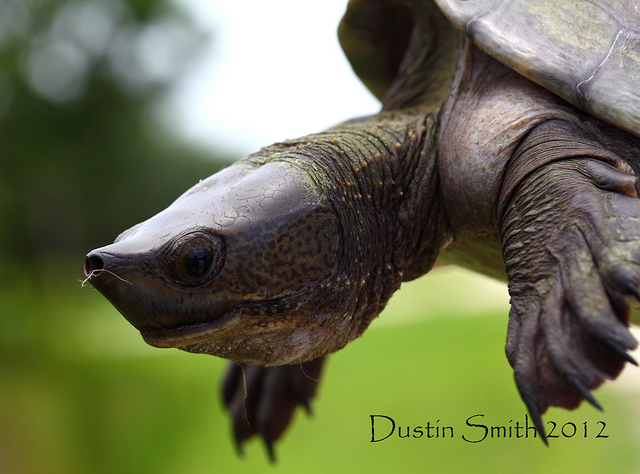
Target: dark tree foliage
x=81, y=158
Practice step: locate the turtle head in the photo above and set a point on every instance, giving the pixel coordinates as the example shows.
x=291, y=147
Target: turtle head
x=235, y=267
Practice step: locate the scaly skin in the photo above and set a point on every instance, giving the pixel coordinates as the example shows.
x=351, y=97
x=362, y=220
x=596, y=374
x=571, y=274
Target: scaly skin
x=310, y=238
x=307, y=234
x=572, y=256
x=515, y=146
x=385, y=168
x=289, y=254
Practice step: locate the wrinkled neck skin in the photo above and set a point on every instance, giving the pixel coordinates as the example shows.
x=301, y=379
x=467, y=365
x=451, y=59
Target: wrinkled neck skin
x=380, y=176
x=289, y=254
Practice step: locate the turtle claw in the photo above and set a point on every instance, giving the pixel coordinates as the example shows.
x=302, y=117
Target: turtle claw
x=309, y=409
x=619, y=350
x=536, y=417
x=584, y=391
x=270, y=451
x=262, y=400
x=633, y=291
x=572, y=255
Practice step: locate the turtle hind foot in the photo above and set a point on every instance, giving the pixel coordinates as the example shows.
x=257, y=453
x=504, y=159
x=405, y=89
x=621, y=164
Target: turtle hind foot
x=263, y=400
x=571, y=242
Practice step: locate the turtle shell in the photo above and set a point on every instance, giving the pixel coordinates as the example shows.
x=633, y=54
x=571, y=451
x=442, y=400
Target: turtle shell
x=587, y=52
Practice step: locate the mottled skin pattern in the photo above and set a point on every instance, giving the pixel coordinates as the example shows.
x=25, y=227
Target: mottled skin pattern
x=289, y=254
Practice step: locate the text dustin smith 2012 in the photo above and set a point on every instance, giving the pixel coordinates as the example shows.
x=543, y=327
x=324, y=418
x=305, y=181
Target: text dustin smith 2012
x=476, y=429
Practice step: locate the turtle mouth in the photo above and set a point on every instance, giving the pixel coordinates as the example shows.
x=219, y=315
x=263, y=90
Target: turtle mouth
x=166, y=315
x=170, y=337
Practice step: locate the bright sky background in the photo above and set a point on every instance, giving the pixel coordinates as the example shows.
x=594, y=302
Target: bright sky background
x=274, y=70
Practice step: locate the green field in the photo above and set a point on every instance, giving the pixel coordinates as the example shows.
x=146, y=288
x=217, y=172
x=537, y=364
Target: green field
x=81, y=393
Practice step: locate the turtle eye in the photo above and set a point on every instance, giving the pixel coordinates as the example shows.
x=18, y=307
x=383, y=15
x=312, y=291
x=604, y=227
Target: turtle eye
x=195, y=260
x=198, y=262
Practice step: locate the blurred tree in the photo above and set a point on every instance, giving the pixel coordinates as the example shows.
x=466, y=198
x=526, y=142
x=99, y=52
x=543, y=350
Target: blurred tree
x=81, y=157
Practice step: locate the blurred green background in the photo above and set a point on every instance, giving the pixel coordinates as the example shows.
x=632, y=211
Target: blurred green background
x=82, y=157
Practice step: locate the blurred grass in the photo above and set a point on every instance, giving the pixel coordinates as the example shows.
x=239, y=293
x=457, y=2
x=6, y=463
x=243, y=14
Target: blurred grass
x=82, y=393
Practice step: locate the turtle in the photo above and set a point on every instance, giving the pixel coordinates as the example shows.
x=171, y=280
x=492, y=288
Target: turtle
x=508, y=142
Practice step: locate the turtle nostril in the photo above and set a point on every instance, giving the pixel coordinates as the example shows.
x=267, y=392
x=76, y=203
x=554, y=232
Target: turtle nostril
x=92, y=263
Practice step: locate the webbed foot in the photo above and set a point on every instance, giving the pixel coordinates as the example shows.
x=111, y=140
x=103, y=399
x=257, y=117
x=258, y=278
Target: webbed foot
x=262, y=400
x=571, y=244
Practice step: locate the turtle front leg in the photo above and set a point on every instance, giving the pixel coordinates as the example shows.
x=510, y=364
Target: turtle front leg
x=570, y=233
x=262, y=400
